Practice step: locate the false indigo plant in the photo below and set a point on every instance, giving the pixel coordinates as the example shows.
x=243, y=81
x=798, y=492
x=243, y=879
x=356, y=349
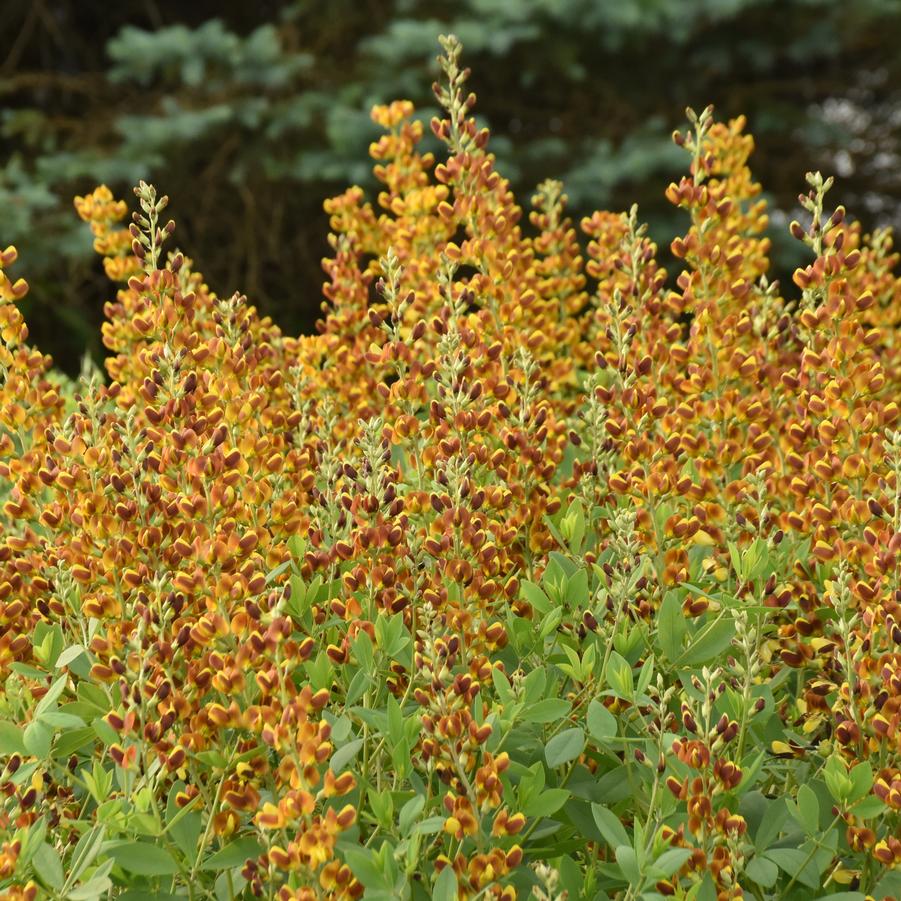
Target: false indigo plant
x=534, y=573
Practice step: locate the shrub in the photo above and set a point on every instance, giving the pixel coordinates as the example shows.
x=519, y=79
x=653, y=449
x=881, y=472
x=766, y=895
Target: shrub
x=528, y=574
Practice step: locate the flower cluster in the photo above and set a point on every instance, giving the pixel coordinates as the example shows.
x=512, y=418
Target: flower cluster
x=533, y=571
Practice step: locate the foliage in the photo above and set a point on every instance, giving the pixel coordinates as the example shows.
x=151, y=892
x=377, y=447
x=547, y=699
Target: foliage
x=528, y=574
x=255, y=117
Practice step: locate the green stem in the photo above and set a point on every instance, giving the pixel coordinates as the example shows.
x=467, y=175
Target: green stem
x=209, y=822
x=816, y=846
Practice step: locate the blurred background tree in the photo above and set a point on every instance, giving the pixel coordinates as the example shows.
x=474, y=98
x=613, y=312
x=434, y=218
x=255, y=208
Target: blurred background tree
x=250, y=114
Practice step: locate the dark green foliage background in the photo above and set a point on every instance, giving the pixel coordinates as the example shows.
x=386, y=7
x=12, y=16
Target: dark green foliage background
x=249, y=114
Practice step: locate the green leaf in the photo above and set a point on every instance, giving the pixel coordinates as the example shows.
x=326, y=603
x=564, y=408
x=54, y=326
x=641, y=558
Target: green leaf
x=97, y=886
x=547, y=711
x=273, y=574
x=375, y=719
x=430, y=826
x=534, y=685
x=345, y=754
x=547, y=802
x=365, y=865
x=186, y=832
x=550, y=622
x=809, y=809
x=86, y=850
x=400, y=758
x=104, y=731
x=610, y=826
x=92, y=695
x=735, y=557
x=395, y=721
x=707, y=891
x=184, y=826
x=564, y=747
x=797, y=864
x=751, y=772
x=233, y=855
x=70, y=742
x=571, y=879
x=502, y=685
x=671, y=860
x=30, y=672
x=69, y=655
x=764, y=872
x=869, y=807
x=62, y=720
x=409, y=813
x=37, y=739
x=48, y=866
x=363, y=651
x=48, y=642
x=577, y=590
x=213, y=758
x=709, y=643
x=619, y=675
x=358, y=685
x=11, y=739
x=838, y=781
x=536, y=597
x=628, y=863
x=614, y=786
x=601, y=722
x=890, y=884
x=771, y=823
x=144, y=859
x=445, y=885
x=297, y=603
x=645, y=674
x=382, y=805
x=572, y=527
x=671, y=626
x=862, y=779
x=52, y=695
x=36, y=833
x=297, y=545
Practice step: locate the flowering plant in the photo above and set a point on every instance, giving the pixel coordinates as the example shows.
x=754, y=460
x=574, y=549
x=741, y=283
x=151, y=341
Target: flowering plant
x=529, y=574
